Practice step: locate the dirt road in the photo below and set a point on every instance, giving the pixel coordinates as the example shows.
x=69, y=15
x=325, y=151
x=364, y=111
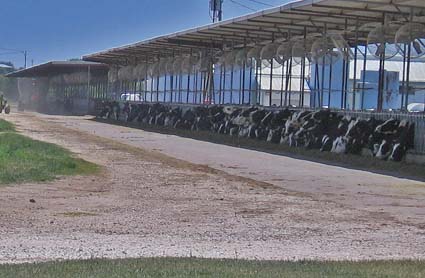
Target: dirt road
x=161, y=195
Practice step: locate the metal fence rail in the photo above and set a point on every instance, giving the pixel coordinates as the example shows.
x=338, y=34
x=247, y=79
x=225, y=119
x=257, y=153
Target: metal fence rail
x=417, y=119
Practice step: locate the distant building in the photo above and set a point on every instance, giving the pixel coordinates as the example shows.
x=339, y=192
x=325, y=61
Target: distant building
x=61, y=86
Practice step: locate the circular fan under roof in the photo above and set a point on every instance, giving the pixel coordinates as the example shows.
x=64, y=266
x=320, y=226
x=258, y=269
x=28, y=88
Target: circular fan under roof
x=268, y=54
x=381, y=41
x=324, y=51
x=283, y=52
x=413, y=35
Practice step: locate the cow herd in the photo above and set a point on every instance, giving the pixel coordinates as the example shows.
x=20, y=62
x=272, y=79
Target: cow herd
x=324, y=130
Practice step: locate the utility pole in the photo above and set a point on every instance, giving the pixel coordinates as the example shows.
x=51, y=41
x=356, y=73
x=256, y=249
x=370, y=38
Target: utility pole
x=216, y=9
x=216, y=14
x=16, y=51
x=25, y=58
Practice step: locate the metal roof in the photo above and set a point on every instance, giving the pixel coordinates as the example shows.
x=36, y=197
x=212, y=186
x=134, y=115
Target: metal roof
x=275, y=24
x=60, y=67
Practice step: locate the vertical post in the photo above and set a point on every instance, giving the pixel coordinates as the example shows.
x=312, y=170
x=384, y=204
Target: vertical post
x=409, y=55
x=250, y=85
x=171, y=87
x=381, y=81
x=88, y=82
x=316, y=98
x=343, y=85
x=232, y=68
x=211, y=85
x=220, y=84
x=165, y=88
x=288, y=84
x=364, y=77
x=355, y=78
x=271, y=77
x=271, y=83
x=260, y=85
x=346, y=75
x=403, y=82
x=257, y=87
x=146, y=80
x=381, y=75
x=151, y=90
x=322, y=85
x=330, y=85
x=302, y=81
x=224, y=83
x=180, y=87
x=281, y=83
x=356, y=50
x=243, y=81
x=347, y=69
x=195, y=91
x=157, y=88
x=188, y=87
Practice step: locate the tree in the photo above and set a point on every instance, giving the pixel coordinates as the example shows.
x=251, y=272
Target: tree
x=8, y=86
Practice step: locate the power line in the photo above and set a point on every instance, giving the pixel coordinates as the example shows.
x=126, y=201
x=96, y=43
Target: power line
x=262, y=3
x=15, y=51
x=10, y=53
x=242, y=5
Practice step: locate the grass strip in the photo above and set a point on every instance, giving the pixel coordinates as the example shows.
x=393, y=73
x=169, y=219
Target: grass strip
x=23, y=160
x=193, y=267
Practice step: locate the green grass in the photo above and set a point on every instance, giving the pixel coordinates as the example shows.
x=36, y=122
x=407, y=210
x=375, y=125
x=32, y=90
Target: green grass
x=191, y=267
x=6, y=126
x=23, y=159
x=403, y=169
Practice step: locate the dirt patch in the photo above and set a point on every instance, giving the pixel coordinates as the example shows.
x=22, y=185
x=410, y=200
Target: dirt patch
x=146, y=203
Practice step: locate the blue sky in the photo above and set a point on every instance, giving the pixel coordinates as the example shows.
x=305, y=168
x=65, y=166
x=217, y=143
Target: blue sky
x=60, y=29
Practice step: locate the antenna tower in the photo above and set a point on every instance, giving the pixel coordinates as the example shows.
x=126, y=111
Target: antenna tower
x=216, y=10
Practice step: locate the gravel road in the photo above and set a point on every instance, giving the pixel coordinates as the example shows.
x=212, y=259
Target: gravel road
x=162, y=195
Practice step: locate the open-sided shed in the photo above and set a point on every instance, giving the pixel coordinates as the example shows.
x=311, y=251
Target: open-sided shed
x=351, y=20
x=61, y=86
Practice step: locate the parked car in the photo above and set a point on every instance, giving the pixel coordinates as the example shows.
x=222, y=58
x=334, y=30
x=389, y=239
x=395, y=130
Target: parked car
x=131, y=97
x=416, y=107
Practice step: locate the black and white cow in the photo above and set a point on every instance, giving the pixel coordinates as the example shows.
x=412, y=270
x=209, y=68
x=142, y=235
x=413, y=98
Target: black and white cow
x=323, y=130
